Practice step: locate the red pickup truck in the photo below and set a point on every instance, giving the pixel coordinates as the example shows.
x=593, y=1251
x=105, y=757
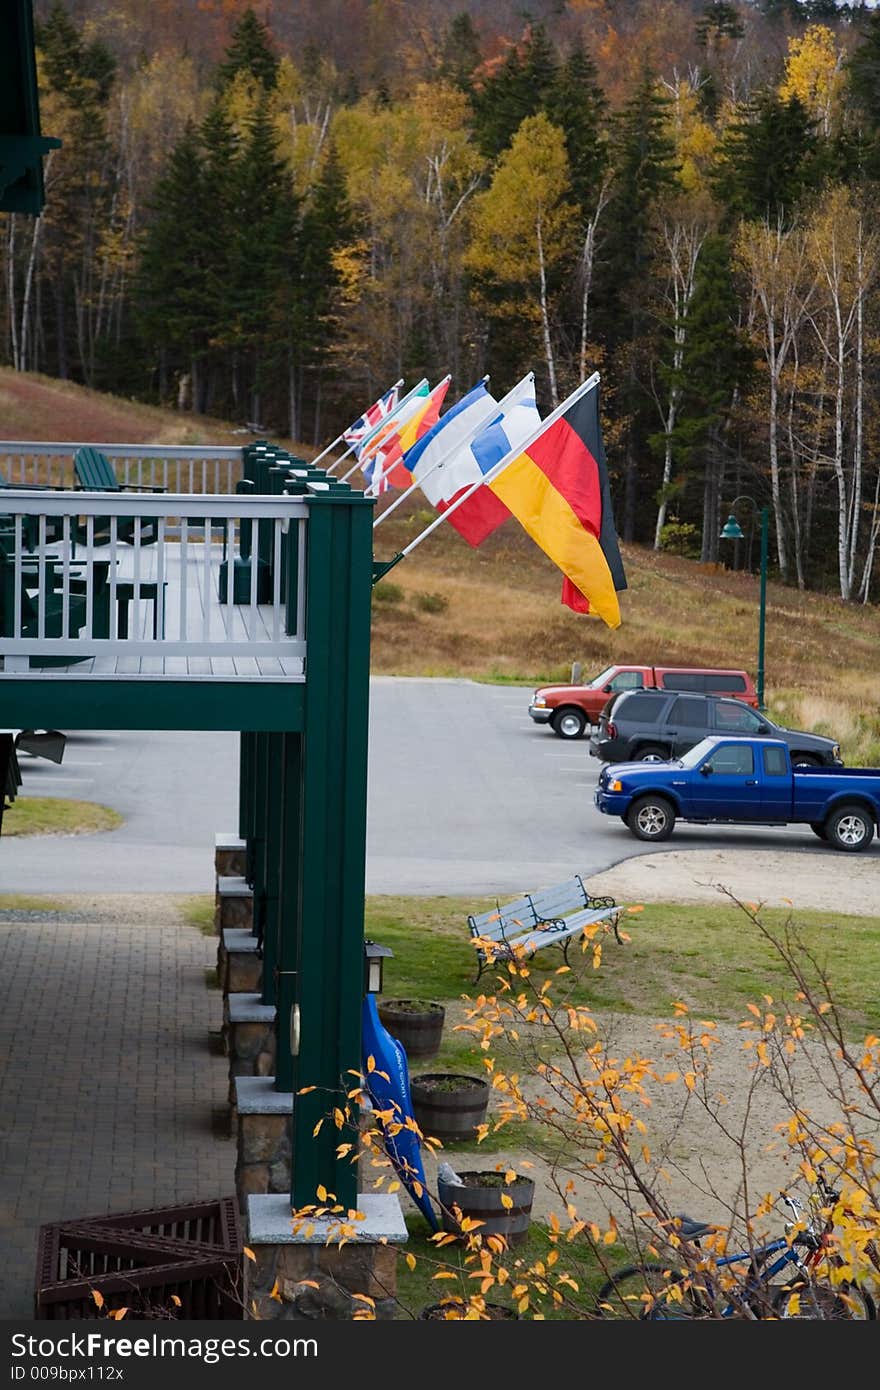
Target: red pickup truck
x=571, y=709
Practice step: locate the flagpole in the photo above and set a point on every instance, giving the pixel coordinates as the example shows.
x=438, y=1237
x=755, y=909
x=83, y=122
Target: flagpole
x=340, y=437
x=373, y=489
x=453, y=449
x=382, y=568
x=380, y=426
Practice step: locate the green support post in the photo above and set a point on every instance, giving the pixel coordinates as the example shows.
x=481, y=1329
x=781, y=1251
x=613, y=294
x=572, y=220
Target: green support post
x=246, y=800
x=328, y=998
x=287, y=945
x=260, y=779
x=271, y=865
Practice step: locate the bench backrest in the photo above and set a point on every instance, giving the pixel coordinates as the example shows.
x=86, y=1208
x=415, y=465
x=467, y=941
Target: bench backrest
x=559, y=900
x=94, y=471
x=510, y=920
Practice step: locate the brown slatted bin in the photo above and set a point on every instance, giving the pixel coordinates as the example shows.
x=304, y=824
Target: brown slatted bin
x=139, y=1259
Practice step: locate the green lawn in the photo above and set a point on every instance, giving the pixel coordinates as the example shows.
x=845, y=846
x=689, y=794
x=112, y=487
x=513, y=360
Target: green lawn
x=417, y=1288
x=50, y=815
x=714, y=959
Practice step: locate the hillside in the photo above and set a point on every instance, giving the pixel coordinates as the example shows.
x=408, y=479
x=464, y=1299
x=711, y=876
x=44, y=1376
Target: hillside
x=495, y=614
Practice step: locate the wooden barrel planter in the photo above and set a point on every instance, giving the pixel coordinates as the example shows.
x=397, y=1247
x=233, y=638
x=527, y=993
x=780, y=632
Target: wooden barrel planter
x=454, y=1309
x=480, y=1198
x=416, y=1023
x=449, y=1106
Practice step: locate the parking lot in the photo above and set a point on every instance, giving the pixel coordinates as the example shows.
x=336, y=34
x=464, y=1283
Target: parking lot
x=466, y=795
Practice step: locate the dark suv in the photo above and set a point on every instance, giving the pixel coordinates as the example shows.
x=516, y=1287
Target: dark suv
x=654, y=725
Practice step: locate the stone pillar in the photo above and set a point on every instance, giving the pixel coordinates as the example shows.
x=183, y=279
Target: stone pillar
x=249, y=1027
x=239, y=968
x=233, y=903
x=263, y=1140
x=366, y=1264
x=230, y=854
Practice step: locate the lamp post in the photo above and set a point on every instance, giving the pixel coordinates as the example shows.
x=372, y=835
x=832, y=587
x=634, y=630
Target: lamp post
x=732, y=531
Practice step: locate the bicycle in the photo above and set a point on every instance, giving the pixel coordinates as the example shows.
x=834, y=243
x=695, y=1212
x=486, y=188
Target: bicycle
x=655, y=1292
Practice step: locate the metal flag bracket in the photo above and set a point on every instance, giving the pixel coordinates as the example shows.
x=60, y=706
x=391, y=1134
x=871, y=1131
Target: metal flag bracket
x=381, y=567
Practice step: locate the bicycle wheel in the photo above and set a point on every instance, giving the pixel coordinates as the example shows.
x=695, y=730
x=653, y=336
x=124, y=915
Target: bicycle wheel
x=649, y=1292
x=822, y=1302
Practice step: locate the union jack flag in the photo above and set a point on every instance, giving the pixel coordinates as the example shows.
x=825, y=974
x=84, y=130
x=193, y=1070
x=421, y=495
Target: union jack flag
x=367, y=422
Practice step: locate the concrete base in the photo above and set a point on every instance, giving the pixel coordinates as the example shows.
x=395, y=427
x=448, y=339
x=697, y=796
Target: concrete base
x=263, y=1141
x=230, y=853
x=366, y=1264
x=249, y=1026
x=239, y=968
x=233, y=904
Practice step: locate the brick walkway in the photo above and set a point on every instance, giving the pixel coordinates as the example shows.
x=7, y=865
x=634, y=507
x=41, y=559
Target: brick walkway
x=108, y=1085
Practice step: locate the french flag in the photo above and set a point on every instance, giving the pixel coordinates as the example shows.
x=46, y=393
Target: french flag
x=483, y=512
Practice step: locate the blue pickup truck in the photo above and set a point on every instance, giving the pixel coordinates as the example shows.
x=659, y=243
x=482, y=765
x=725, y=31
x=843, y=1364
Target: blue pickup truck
x=742, y=781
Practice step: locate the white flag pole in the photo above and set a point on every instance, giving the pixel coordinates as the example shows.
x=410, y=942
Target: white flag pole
x=373, y=489
x=339, y=438
x=453, y=449
x=380, y=568
x=392, y=414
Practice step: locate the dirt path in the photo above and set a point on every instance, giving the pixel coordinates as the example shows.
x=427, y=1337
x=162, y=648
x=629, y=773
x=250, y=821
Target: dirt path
x=820, y=879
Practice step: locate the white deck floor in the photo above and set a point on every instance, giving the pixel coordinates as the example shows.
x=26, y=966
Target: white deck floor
x=203, y=639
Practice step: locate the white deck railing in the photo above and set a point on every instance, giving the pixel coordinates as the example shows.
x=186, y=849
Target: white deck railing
x=73, y=587
x=177, y=467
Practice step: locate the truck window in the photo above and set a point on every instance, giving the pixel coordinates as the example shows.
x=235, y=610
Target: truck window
x=733, y=759
x=680, y=680
x=689, y=714
x=628, y=680
x=723, y=681
x=775, y=762
x=730, y=719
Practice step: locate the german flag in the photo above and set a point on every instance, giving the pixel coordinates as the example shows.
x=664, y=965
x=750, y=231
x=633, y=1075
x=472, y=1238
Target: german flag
x=558, y=490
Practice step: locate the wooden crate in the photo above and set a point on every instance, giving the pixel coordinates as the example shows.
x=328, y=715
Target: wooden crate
x=143, y=1261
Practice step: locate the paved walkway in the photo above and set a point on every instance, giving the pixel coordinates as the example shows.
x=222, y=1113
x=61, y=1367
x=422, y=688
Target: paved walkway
x=108, y=1086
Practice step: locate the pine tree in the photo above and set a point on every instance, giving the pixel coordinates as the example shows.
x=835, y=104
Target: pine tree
x=328, y=223
x=643, y=156
x=263, y=247
x=576, y=104
x=83, y=72
x=860, y=153
x=461, y=52
x=175, y=259
x=716, y=363
x=768, y=159
x=250, y=50
x=521, y=88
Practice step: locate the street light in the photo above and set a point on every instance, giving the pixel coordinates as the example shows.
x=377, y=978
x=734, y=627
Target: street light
x=732, y=531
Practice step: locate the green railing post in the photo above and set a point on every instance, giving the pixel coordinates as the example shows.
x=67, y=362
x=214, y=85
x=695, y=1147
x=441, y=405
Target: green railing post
x=329, y=973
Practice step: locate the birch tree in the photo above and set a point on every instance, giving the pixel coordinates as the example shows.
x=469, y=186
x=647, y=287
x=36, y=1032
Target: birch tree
x=524, y=226
x=845, y=257
x=774, y=259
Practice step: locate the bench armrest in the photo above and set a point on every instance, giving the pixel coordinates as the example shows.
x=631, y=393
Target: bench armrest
x=141, y=487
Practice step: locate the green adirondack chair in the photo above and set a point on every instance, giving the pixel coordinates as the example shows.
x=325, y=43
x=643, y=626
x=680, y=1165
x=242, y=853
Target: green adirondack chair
x=94, y=473
x=52, y=600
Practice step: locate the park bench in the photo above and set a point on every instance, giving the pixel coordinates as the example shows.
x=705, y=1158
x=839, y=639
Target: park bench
x=552, y=917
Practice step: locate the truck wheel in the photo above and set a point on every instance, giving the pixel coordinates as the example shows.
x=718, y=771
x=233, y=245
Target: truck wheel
x=804, y=760
x=652, y=754
x=818, y=829
x=651, y=818
x=569, y=723
x=850, y=828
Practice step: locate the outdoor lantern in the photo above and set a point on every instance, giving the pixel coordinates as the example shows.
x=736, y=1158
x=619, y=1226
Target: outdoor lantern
x=732, y=530
x=373, y=957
